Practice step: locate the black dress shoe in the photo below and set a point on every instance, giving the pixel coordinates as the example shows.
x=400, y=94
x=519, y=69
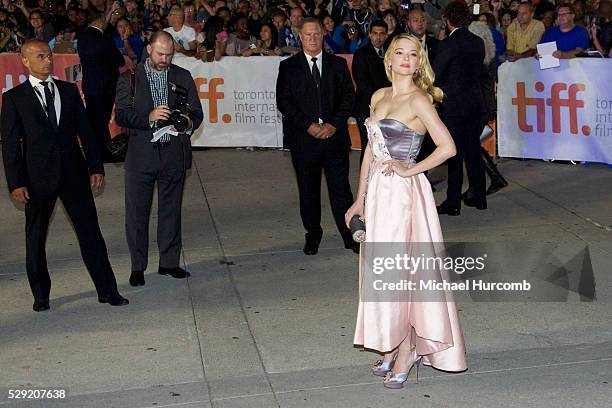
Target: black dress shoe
x=40, y=305
x=176, y=272
x=352, y=245
x=137, y=278
x=311, y=247
x=445, y=208
x=480, y=204
x=114, y=300
x=496, y=185
x=468, y=193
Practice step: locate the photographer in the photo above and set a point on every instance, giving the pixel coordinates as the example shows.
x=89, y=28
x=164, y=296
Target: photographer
x=358, y=12
x=349, y=37
x=161, y=95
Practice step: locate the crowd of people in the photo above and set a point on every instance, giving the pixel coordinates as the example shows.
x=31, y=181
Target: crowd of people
x=408, y=87
x=213, y=29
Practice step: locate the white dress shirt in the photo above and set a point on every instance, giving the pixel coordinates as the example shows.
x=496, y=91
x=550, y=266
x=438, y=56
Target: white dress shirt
x=423, y=41
x=39, y=90
x=319, y=58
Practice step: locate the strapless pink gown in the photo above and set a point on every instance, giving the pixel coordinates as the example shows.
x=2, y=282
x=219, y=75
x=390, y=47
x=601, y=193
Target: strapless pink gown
x=403, y=210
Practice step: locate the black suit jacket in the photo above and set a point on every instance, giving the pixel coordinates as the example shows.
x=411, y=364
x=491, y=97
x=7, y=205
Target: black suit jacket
x=141, y=153
x=100, y=60
x=296, y=98
x=33, y=151
x=459, y=68
x=369, y=75
x=432, y=47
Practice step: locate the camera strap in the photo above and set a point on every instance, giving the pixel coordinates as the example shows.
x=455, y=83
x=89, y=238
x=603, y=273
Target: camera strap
x=133, y=86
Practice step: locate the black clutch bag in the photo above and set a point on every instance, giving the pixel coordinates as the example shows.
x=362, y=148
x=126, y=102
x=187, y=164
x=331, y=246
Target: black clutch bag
x=357, y=227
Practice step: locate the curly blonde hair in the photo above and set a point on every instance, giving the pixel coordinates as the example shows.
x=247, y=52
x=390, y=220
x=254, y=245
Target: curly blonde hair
x=424, y=77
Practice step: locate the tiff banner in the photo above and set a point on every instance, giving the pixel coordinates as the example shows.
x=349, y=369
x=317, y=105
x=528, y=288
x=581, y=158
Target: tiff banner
x=562, y=113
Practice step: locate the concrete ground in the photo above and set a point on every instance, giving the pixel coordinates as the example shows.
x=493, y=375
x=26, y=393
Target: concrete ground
x=259, y=324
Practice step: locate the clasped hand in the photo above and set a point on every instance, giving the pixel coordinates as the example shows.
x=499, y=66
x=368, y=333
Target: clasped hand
x=324, y=131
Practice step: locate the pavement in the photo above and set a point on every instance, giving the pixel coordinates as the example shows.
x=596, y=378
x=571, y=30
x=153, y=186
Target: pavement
x=259, y=324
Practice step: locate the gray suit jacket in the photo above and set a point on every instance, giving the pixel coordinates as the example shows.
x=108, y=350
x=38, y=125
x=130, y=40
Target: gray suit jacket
x=141, y=152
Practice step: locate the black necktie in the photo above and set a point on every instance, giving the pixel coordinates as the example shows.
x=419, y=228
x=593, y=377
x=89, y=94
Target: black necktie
x=380, y=53
x=315, y=72
x=50, y=101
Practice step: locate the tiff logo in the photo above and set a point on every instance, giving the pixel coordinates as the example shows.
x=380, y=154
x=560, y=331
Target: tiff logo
x=556, y=102
x=212, y=95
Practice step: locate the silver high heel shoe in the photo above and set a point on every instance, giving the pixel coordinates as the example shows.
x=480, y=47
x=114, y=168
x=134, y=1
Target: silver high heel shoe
x=381, y=368
x=396, y=380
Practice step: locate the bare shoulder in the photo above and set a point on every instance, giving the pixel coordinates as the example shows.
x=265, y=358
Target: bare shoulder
x=420, y=100
x=377, y=96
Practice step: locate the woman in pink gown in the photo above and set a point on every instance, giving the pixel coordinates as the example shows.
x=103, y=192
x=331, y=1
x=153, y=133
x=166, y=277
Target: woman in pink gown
x=397, y=204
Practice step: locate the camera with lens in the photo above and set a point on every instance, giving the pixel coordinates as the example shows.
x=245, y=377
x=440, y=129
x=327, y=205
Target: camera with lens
x=180, y=108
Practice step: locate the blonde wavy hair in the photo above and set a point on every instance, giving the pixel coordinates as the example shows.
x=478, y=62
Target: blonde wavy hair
x=424, y=77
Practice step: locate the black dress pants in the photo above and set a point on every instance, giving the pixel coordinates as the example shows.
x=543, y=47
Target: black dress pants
x=99, y=109
x=309, y=165
x=75, y=194
x=465, y=131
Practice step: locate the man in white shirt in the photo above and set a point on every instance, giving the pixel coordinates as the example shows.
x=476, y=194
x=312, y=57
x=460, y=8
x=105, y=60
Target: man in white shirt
x=417, y=24
x=45, y=161
x=315, y=94
x=184, y=36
